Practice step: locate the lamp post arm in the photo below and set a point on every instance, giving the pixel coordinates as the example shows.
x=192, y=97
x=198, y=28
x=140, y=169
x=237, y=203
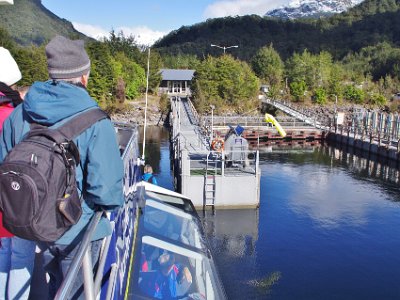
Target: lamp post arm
x=223, y=47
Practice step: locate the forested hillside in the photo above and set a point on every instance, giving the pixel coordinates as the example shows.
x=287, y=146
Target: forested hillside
x=29, y=22
x=352, y=57
x=369, y=23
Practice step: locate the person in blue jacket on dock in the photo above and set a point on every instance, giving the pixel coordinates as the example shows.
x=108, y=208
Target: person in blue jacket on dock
x=100, y=173
x=148, y=175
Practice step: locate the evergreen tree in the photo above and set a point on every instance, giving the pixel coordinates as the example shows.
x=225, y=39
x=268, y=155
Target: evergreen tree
x=32, y=63
x=269, y=67
x=131, y=73
x=226, y=83
x=102, y=80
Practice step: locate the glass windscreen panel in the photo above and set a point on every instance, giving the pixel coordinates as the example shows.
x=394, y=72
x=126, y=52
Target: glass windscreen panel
x=168, y=271
x=172, y=223
x=165, y=198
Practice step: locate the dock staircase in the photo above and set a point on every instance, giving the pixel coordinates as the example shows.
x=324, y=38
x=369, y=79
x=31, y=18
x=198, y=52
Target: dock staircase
x=210, y=182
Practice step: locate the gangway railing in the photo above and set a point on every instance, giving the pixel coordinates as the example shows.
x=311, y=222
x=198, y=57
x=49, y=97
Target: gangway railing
x=295, y=113
x=185, y=128
x=258, y=121
x=189, y=109
x=194, y=111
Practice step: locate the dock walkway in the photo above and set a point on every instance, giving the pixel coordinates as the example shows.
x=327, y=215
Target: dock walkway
x=185, y=126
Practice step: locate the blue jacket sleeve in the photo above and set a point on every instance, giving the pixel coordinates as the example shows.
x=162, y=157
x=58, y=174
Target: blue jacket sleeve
x=103, y=168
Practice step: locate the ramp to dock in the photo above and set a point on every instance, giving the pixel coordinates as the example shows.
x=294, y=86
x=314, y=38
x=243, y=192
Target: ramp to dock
x=288, y=109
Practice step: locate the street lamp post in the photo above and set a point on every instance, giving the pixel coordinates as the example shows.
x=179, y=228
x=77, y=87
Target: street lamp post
x=223, y=47
x=336, y=115
x=212, y=121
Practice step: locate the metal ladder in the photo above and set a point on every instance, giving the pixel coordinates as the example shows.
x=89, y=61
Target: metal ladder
x=209, y=185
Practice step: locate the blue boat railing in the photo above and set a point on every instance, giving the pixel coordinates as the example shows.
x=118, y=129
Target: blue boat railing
x=83, y=259
x=123, y=220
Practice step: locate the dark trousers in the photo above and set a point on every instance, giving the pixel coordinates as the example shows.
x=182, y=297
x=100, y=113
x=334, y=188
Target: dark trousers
x=56, y=262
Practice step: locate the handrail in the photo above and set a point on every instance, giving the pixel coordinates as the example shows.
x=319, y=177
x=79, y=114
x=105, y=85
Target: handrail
x=102, y=261
x=63, y=291
x=258, y=121
x=196, y=115
x=225, y=163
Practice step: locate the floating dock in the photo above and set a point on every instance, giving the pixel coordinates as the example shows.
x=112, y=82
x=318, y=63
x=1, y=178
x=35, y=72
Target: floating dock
x=212, y=179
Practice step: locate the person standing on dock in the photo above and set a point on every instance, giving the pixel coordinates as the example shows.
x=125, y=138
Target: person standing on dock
x=99, y=174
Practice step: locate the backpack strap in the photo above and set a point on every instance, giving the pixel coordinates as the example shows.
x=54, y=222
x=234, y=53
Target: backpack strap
x=81, y=122
x=71, y=128
x=4, y=99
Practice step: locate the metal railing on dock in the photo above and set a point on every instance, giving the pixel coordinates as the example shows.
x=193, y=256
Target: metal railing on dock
x=237, y=163
x=293, y=111
x=252, y=121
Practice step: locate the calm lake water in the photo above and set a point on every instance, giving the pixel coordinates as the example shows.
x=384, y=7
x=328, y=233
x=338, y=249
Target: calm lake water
x=328, y=227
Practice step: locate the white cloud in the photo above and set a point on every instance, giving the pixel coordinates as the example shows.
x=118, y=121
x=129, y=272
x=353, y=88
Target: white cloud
x=143, y=35
x=91, y=30
x=241, y=7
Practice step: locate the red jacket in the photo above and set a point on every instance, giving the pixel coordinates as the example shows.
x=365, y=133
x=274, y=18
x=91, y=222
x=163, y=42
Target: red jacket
x=5, y=111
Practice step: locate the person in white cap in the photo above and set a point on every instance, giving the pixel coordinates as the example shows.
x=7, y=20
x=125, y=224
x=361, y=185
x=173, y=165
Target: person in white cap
x=16, y=255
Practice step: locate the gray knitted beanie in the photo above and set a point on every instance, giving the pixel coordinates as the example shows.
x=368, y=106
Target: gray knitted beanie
x=66, y=58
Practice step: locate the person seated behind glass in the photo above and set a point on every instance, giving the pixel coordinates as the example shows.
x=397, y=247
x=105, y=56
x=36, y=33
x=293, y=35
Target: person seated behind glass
x=172, y=279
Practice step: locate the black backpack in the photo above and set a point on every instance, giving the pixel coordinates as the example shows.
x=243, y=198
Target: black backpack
x=38, y=193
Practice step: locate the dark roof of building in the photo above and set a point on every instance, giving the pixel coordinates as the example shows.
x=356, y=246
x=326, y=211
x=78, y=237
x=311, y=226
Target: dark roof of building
x=174, y=74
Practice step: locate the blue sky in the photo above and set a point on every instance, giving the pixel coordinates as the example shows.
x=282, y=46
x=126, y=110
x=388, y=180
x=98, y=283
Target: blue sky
x=149, y=20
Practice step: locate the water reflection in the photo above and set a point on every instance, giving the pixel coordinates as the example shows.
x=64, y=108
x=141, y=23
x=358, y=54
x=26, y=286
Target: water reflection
x=330, y=199
x=235, y=232
x=157, y=153
x=326, y=194
x=364, y=165
x=327, y=228
x=233, y=235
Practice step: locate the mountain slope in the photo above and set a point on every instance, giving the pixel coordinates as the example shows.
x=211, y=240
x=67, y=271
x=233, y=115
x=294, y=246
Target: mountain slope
x=312, y=8
x=35, y=23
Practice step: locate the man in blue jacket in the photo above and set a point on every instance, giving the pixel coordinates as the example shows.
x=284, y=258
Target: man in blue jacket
x=100, y=174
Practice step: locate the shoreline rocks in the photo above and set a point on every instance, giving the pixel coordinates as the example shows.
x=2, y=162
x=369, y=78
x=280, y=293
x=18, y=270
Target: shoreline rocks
x=135, y=115
x=155, y=117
